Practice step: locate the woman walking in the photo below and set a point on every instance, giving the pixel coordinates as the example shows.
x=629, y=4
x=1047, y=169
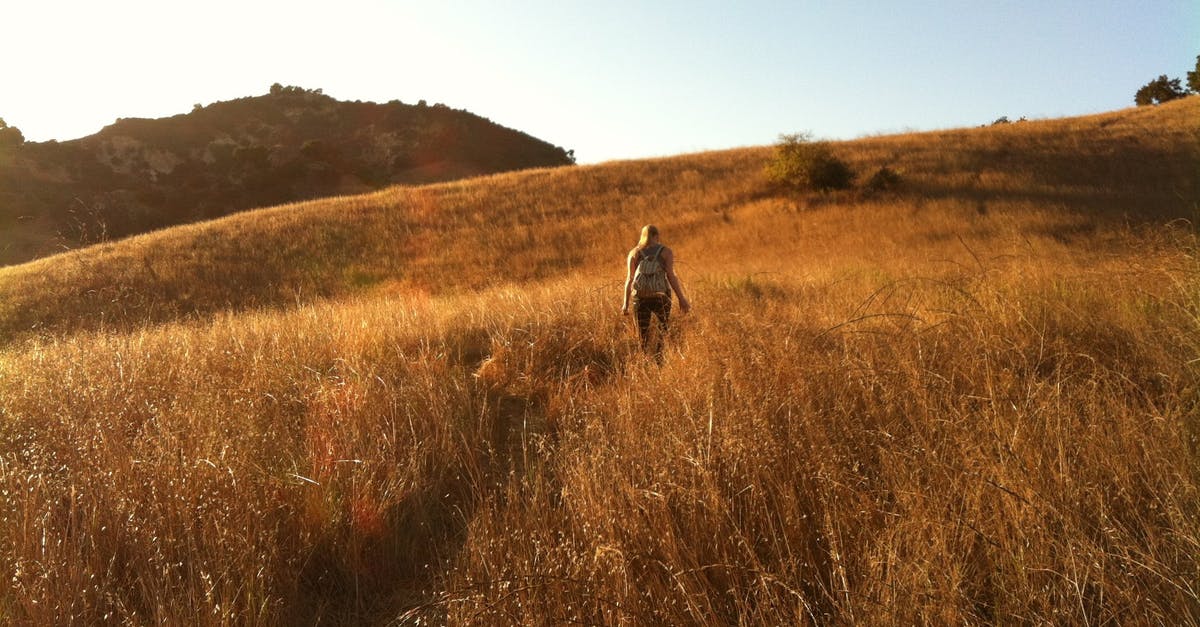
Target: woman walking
x=649, y=279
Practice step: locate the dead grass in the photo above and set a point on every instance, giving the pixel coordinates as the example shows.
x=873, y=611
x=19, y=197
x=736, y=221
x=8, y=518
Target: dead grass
x=889, y=410
x=1060, y=178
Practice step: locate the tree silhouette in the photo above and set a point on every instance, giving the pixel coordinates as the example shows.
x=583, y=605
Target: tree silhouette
x=10, y=135
x=1193, y=77
x=1159, y=90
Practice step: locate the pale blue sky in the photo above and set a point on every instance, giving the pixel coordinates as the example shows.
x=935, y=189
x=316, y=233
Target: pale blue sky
x=615, y=79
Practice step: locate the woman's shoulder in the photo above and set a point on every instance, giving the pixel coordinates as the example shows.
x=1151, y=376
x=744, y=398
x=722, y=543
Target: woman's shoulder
x=637, y=251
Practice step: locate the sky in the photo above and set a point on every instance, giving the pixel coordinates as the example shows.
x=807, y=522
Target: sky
x=614, y=79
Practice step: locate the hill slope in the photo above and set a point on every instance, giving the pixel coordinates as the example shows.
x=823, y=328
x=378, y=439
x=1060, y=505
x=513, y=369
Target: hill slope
x=974, y=400
x=137, y=174
x=1054, y=179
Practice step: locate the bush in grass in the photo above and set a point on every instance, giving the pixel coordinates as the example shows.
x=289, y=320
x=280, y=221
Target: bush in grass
x=883, y=180
x=801, y=164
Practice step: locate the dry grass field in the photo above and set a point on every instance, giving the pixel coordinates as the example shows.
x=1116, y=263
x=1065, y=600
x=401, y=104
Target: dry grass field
x=972, y=400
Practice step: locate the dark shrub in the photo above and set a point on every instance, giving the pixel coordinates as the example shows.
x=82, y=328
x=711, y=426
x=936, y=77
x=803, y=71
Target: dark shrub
x=10, y=135
x=1158, y=91
x=883, y=180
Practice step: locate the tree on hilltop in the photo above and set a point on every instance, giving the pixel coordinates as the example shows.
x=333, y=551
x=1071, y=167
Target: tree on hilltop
x=278, y=89
x=1193, y=77
x=1159, y=90
x=10, y=135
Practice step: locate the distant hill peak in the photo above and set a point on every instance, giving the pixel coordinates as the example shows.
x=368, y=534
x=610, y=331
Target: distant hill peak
x=290, y=144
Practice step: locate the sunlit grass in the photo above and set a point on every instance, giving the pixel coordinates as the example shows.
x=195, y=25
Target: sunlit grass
x=974, y=401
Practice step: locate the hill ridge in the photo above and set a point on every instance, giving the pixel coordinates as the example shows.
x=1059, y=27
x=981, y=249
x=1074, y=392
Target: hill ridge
x=140, y=174
x=1124, y=167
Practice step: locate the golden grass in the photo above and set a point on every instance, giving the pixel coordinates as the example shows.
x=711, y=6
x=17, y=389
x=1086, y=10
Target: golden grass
x=977, y=400
x=1135, y=165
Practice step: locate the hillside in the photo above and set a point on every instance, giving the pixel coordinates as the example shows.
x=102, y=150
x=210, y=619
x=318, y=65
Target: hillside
x=291, y=144
x=975, y=399
x=1058, y=179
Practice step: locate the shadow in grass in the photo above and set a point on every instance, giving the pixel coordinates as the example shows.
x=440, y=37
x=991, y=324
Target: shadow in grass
x=1140, y=184
x=363, y=579
x=392, y=568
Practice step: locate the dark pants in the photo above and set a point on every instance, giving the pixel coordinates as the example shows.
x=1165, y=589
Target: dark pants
x=643, y=309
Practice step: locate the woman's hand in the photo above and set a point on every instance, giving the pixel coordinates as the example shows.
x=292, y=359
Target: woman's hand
x=685, y=305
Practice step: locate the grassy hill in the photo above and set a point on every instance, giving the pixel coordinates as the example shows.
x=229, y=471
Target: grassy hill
x=137, y=175
x=1054, y=180
x=975, y=399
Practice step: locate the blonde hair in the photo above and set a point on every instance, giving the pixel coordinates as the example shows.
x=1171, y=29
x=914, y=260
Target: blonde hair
x=648, y=232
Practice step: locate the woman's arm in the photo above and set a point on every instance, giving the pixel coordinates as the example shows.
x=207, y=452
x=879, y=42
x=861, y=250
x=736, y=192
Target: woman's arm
x=669, y=266
x=630, y=264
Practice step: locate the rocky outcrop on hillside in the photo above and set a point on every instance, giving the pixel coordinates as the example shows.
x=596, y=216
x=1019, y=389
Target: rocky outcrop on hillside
x=290, y=144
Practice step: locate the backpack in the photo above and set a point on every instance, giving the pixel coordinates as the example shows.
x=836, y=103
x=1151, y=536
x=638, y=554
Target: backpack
x=650, y=277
